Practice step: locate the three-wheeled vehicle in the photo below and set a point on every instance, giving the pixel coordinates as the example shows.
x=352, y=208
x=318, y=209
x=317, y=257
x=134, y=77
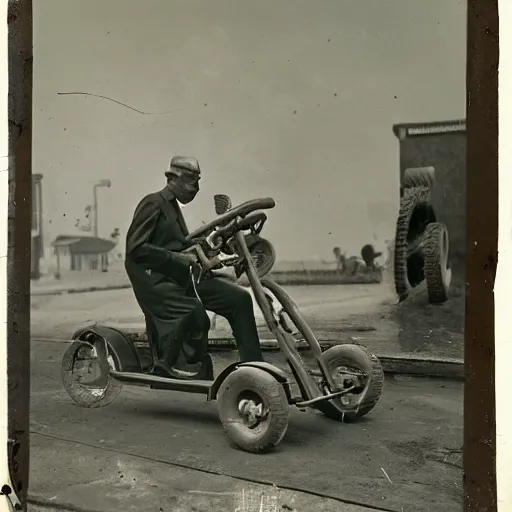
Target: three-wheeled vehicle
x=253, y=397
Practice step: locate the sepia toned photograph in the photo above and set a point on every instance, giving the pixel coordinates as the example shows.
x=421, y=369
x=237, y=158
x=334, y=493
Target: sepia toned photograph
x=248, y=255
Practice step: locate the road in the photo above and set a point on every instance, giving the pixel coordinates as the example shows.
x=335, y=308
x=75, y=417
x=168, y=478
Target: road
x=329, y=304
x=151, y=445
x=341, y=313
x=330, y=310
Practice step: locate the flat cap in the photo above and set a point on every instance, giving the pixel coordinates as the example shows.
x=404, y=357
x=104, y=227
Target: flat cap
x=183, y=163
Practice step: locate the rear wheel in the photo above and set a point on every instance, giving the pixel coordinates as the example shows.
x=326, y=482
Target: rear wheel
x=253, y=409
x=354, y=366
x=85, y=373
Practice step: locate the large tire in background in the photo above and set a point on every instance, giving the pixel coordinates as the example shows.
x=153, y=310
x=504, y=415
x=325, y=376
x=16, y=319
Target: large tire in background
x=90, y=395
x=258, y=386
x=435, y=253
x=359, y=359
x=415, y=214
x=419, y=177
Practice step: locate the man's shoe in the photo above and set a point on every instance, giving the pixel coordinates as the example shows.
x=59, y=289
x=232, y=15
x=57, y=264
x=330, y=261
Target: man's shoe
x=162, y=369
x=202, y=370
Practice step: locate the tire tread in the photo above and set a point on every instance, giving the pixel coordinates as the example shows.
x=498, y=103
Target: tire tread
x=262, y=382
x=377, y=383
x=437, y=291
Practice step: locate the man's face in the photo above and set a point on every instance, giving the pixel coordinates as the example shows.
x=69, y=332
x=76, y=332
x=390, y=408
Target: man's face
x=185, y=185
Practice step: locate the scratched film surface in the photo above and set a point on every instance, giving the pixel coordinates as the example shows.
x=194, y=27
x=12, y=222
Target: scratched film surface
x=352, y=118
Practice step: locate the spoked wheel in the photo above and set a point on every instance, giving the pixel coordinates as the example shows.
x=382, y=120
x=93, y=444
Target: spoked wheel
x=85, y=373
x=253, y=409
x=357, y=370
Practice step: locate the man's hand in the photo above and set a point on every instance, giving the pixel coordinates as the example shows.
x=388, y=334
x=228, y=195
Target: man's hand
x=198, y=240
x=201, y=241
x=191, y=259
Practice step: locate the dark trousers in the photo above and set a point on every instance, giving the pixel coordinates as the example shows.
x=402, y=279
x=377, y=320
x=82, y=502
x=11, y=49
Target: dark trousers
x=234, y=303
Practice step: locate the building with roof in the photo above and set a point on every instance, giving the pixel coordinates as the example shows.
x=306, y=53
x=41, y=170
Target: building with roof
x=77, y=252
x=441, y=145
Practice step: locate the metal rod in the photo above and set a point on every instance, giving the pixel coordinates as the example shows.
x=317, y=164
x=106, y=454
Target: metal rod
x=324, y=397
x=286, y=342
x=303, y=327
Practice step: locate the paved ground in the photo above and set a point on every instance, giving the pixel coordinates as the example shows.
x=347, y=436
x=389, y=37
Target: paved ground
x=115, y=277
x=326, y=306
x=115, y=482
x=336, y=312
x=161, y=451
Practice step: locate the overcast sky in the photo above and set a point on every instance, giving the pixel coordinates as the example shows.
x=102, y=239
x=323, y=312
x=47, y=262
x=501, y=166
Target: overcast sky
x=293, y=99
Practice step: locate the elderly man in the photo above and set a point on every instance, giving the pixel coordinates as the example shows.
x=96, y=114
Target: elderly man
x=176, y=321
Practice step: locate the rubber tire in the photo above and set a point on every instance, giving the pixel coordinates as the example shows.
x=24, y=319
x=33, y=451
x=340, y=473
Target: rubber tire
x=409, y=206
x=359, y=358
x=435, y=251
x=419, y=177
x=270, y=391
x=80, y=393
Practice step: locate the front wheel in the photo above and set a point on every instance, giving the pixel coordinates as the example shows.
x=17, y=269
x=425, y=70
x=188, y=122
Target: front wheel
x=253, y=409
x=353, y=366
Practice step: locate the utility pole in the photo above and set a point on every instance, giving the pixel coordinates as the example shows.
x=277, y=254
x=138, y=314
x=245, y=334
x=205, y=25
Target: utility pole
x=95, y=208
x=100, y=184
x=19, y=22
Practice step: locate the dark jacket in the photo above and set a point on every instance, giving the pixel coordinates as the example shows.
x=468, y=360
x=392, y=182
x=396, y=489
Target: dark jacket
x=157, y=235
x=157, y=270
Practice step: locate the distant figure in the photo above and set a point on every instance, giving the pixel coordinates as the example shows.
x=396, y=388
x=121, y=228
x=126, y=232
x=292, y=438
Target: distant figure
x=339, y=259
x=369, y=256
x=352, y=265
x=114, y=236
x=348, y=266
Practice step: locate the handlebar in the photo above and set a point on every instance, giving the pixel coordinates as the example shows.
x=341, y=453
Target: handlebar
x=219, y=236
x=223, y=228
x=205, y=263
x=242, y=210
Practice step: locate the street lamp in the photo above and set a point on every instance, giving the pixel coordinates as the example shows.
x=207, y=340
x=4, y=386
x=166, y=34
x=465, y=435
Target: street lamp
x=100, y=184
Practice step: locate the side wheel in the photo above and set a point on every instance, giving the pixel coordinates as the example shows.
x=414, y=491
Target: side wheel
x=85, y=374
x=435, y=251
x=253, y=409
x=354, y=366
